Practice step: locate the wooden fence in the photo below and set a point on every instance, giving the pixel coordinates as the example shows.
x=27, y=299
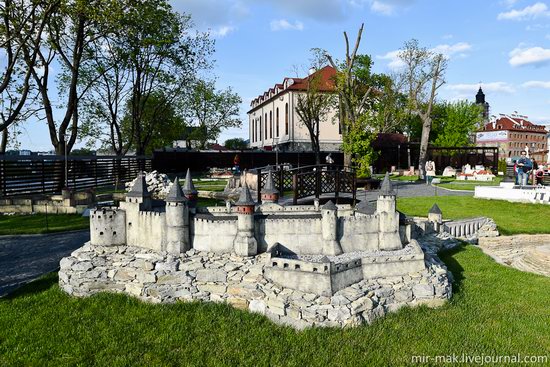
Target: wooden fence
x=30, y=175
x=309, y=181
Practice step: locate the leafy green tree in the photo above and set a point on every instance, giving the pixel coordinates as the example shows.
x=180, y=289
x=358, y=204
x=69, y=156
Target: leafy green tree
x=235, y=144
x=212, y=110
x=457, y=123
x=162, y=126
x=151, y=49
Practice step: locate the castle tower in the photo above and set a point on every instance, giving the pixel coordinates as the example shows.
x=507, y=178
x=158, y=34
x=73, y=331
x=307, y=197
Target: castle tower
x=139, y=194
x=388, y=217
x=329, y=225
x=436, y=217
x=245, y=243
x=189, y=190
x=177, y=220
x=269, y=193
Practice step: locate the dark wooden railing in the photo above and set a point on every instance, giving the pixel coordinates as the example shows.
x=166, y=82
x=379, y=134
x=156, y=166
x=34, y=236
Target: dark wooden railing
x=309, y=181
x=30, y=175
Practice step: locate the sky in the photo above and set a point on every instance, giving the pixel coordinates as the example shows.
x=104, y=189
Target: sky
x=501, y=45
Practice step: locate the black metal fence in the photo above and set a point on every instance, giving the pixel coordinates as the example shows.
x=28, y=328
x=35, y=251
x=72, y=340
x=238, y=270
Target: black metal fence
x=30, y=175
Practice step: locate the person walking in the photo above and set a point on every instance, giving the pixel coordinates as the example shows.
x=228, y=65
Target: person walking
x=430, y=171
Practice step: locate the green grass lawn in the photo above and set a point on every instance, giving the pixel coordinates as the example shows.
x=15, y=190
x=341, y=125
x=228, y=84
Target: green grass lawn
x=36, y=223
x=495, y=311
x=511, y=218
x=453, y=184
x=209, y=185
x=202, y=202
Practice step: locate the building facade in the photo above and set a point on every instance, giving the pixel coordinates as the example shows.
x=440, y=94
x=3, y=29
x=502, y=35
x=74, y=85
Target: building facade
x=513, y=134
x=274, y=123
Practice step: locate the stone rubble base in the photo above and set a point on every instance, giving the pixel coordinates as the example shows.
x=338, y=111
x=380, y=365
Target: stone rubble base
x=160, y=277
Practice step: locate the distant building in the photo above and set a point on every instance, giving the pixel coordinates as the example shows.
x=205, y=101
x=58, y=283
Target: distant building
x=273, y=120
x=480, y=100
x=513, y=134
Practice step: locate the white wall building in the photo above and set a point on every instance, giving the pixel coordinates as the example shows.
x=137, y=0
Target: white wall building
x=273, y=120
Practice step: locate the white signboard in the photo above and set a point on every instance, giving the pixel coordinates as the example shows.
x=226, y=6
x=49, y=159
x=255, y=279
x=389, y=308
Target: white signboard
x=492, y=136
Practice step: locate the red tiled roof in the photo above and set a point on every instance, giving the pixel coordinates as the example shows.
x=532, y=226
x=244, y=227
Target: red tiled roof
x=513, y=123
x=326, y=83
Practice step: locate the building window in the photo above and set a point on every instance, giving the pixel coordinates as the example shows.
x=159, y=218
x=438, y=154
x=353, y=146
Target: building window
x=271, y=124
x=260, y=128
x=265, y=123
x=252, y=130
x=277, y=122
x=286, y=119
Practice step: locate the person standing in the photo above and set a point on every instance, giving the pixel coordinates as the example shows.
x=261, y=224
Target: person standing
x=524, y=167
x=430, y=171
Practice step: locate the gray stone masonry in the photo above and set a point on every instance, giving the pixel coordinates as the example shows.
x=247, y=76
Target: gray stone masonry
x=161, y=277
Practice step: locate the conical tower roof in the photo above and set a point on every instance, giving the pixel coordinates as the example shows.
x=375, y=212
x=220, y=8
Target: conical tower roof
x=386, y=189
x=269, y=187
x=139, y=190
x=175, y=194
x=188, y=186
x=329, y=205
x=245, y=198
x=366, y=207
x=435, y=210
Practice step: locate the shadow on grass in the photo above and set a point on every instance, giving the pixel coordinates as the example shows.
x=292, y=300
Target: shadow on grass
x=36, y=286
x=454, y=266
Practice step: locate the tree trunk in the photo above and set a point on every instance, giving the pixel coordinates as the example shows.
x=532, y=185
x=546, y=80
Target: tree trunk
x=424, y=140
x=4, y=143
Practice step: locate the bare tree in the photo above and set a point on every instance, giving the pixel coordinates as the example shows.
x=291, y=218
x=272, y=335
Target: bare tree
x=21, y=32
x=422, y=75
x=314, y=104
x=354, y=95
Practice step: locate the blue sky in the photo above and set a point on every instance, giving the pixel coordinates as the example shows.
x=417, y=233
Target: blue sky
x=504, y=44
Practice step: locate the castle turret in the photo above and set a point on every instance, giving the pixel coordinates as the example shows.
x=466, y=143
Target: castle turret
x=139, y=194
x=388, y=234
x=269, y=193
x=245, y=243
x=189, y=190
x=436, y=217
x=177, y=220
x=329, y=224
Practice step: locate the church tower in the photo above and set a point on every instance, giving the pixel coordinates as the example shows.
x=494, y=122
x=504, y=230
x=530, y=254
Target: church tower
x=480, y=100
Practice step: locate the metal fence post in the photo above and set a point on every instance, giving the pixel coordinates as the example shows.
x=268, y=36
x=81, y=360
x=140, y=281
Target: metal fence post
x=295, y=188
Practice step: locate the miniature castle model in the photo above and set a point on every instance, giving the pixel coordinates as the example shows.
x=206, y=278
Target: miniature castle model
x=297, y=233
x=300, y=265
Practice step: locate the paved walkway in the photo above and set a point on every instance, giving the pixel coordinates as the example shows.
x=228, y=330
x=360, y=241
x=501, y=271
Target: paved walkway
x=25, y=258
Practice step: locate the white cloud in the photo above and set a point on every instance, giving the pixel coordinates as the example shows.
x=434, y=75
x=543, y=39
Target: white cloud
x=509, y=3
x=384, y=7
x=285, y=25
x=494, y=87
x=320, y=10
x=222, y=31
x=447, y=50
x=218, y=17
x=536, y=84
x=536, y=56
x=534, y=11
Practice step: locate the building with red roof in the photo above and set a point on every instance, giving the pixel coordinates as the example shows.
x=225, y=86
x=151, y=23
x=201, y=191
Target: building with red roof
x=513, y=134
x=273, y=121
